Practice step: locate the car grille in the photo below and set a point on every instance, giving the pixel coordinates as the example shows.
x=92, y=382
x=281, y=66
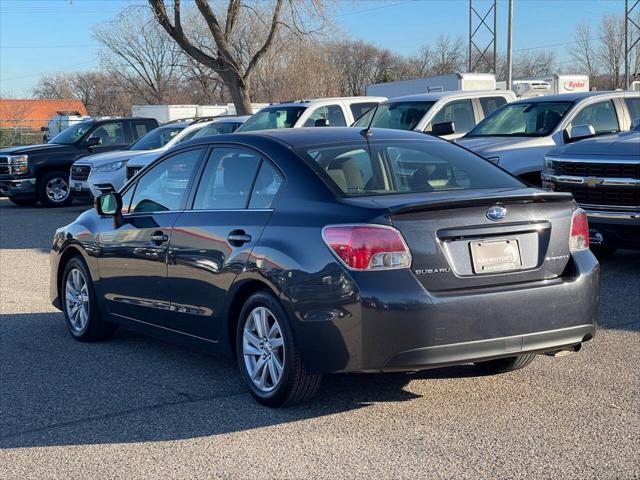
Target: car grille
x=80, y=172
x=131, y=171
x=4, y=165
x=616, y=196
x=599, y=169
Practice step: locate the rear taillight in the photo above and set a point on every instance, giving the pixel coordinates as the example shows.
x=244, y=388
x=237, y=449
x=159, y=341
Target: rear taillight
x=368, y=247
x=579, y=239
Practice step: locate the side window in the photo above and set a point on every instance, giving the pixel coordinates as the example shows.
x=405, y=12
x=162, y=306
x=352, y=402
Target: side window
x=489, y=104
x=140, y=129
x=633, y=104
x=189, y=135
x=459, y=112
x=111, y=133
x=332, y=113
x=601, y=116
x=227, y=179
x=268, y=183
x=165, y=186
x=359, y=109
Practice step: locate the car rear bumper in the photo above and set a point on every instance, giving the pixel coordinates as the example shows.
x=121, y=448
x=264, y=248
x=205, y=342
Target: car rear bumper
x=398, y=325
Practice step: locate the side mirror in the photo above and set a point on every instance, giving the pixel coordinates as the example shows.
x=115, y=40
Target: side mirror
x=93, y=141
x=580, y=132
x=321, y=122
x=635, y=123
x=444, y=128
x=110, y=205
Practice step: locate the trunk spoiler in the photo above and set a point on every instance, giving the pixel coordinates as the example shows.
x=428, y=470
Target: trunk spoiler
x=472, y=201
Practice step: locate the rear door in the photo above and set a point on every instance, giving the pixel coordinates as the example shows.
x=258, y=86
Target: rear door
x=212, y=241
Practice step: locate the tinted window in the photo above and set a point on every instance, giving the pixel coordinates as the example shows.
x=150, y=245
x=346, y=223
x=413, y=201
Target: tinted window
x=459, y=112
x=227, y=179
x=217, y=129
x=396, y=115
x=527, y=119
x=490, y=104
x=601, y=116
x=72, y=134
x=140, y=129
x=189, y=135
x=157, y=138
x=166, y=185
x=273, y=117
x=359, y=109
x=267, y=185
x=110, y=134
x=633, y=104
x=404, y=167
x=331, y=113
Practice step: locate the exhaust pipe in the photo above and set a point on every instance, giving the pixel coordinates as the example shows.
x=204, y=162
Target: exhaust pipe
x=564, y=351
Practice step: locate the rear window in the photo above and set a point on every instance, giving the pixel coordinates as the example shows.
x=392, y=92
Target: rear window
x=382, y=168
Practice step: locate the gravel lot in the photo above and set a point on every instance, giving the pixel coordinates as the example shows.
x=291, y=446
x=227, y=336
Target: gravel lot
x=136, y=407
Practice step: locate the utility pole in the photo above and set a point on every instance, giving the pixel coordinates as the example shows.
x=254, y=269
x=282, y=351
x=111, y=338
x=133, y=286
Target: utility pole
x=509, y=48
x=483, y=26
x=630, y=27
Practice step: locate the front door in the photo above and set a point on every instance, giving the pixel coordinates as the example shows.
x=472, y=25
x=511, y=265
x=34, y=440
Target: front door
x=212, y=242
x=133, y=257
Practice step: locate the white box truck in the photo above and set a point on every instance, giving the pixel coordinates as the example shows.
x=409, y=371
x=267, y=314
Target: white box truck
x=440, y=83
x=552, y=84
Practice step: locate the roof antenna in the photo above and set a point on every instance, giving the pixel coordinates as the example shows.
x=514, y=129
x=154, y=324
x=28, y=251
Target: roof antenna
x=367, y=131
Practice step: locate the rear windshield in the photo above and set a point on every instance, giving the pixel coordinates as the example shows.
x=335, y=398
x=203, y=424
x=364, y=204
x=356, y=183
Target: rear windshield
x=396, y=115
x=273, y=117
x=535, y=119
x=384, y=167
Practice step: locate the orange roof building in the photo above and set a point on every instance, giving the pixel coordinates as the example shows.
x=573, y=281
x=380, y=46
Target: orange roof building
x=35, y=113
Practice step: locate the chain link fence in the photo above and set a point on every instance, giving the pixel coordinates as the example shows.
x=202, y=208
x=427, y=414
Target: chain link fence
x=15, y=135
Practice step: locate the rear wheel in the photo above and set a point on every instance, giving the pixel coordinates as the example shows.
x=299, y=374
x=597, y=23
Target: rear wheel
x=80, y=307
x=268, y=357
x=23, y=202
x=503, y=365
x=53, y=189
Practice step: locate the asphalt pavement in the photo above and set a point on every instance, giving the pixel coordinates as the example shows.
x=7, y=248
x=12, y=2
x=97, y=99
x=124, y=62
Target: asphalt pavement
x=136, y=407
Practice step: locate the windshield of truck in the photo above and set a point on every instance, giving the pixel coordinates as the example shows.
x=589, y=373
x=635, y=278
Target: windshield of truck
x=72, y=134
x=273, y=117
x=535, y=119
x=157, y=138
x=395, y=115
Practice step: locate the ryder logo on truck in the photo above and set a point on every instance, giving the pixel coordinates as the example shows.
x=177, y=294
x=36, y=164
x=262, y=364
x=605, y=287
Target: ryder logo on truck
x=572, y=85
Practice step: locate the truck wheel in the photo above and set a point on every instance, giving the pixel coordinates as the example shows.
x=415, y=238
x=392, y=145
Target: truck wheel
x=53, y=189
x=503, y=365
x=268, y=356
x=23, y=202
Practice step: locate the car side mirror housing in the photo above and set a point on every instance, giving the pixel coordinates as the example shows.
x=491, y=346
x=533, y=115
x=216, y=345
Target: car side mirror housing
x=321, y=122
x=93, y=142
x=580, y=132
x=444, y=128
x=635, y=123
x=110, y=205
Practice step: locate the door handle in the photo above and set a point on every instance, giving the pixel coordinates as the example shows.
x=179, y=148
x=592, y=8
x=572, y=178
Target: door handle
x=238, y=238
x=159, y=237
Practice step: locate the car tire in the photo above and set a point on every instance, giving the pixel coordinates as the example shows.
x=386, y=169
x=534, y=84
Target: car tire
x=23, y=202
x=54, y=189
x=503, y=365
x=80, y=306
x=266, y=347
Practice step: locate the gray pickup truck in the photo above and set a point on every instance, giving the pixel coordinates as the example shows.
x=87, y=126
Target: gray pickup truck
x=603, y=174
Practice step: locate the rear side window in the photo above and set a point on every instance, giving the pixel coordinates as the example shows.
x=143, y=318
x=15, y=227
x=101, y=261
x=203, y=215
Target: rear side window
x=359, y=109
x=601, y=116
x=331, y=113
x=227, y=179
x=633, y=104
x=459, y=112
x=490, y=104
x=383, y=168
x=140, y=129
x=267, y=186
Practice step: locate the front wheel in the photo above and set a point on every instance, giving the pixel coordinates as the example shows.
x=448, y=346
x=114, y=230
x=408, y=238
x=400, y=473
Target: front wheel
x=53, y=189
x=79, y=301
x=503, y=365
x=268, y=357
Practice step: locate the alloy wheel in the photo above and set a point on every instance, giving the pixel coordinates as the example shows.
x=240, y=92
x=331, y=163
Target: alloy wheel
x=57, y=189
x=263, y=349
x=77, y=300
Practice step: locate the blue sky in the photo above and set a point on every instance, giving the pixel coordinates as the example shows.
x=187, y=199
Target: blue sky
x=46, y=36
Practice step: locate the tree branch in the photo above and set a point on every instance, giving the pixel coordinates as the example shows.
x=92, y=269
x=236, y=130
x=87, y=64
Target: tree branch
x=275, y=21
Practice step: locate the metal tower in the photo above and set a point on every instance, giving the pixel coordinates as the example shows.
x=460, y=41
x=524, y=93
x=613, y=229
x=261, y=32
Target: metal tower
x=631, y=31
x=479, y=26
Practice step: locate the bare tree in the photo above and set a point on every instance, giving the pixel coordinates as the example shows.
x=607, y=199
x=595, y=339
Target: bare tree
x=235, y=61
x=145, y=59
x=611, y=51
x=53, y=86
x=529, y=64
x=449, y=55
x=583, y=53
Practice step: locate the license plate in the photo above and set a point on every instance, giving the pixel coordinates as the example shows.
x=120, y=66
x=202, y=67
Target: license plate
x=77, y=186
x=495, y=256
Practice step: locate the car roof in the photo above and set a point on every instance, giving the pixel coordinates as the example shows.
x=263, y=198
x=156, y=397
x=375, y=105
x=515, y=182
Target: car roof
x=571, y=97
x=435, y=96
x=231, y=119
x=299, y=137
x=314, y=101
